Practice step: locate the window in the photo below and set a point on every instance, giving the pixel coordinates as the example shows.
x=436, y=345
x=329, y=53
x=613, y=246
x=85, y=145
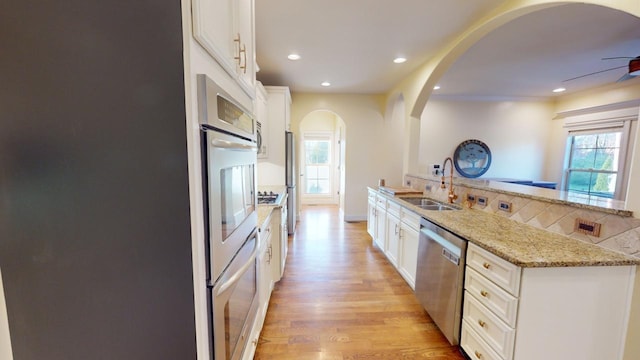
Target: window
x=594, y=163
x=597, y=147
x=318, y=166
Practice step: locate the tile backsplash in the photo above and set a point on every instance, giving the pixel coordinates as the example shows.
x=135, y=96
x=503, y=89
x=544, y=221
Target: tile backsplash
x=618, y=233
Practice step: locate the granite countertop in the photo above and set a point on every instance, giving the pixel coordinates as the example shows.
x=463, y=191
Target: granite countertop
x=264, y=210
x=519, y=243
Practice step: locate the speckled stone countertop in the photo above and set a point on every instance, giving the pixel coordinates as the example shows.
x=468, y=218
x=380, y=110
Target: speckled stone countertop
x=583, y=201
x=519, y=243
x=264, y=210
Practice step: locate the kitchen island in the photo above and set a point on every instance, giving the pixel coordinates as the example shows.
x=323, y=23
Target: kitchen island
x=531, y=293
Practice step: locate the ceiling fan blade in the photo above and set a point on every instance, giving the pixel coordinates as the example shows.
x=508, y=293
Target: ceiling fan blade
x=625, y=77
x=593, y=73
x=618, y=57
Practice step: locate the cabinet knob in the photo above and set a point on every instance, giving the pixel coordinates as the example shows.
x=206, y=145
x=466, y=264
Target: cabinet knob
x=477, y=354
x=255, y=342
x=484, y=293
x=481, y=323
x=486, y=265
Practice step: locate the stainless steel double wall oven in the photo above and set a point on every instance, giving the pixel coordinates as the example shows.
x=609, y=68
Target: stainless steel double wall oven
x=229, y=153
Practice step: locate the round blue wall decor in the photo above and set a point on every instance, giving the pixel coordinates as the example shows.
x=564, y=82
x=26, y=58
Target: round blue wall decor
x=472, y=158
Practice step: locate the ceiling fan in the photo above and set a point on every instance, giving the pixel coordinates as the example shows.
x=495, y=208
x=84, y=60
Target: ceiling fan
x=633, y=68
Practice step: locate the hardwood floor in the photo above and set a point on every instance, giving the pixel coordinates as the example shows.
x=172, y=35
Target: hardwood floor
x=340, y=299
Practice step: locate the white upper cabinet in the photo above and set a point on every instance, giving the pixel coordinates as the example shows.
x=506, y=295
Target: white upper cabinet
x=246, y=35
x=225, y=28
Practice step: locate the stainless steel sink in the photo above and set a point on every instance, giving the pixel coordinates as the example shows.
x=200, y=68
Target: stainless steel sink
x=438, y=207
x=428, y=204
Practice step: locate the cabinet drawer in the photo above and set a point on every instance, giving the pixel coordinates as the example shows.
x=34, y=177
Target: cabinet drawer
x=410, y=218
x=381, y=202
x=393, y=208
x=503, y=304
x=498, y=270
x=474, y=346
x=489, y=327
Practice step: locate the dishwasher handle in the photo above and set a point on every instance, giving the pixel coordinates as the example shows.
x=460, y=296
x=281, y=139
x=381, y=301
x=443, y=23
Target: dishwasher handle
x=451, y=248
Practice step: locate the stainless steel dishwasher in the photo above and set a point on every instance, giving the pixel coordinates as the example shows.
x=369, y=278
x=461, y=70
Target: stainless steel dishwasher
x=439, y=277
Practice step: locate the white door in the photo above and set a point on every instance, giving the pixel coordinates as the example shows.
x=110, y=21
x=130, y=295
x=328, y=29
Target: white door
x=317, y=168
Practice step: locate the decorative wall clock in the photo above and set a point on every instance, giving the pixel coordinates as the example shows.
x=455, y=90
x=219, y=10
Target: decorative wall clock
x=472, y=158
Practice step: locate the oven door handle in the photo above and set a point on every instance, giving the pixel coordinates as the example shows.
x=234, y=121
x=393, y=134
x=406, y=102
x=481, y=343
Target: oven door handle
x=234, y=279
x=230, y=145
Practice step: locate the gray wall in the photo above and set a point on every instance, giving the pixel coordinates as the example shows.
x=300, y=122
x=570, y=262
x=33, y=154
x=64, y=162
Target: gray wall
x=95, y=243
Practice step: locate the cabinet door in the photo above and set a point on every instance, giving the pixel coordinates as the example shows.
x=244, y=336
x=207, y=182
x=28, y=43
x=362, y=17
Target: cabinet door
x=393, y=239
x=246, y=44
x=213, y=28
x=371, y=219
x=284, y=239
x=381, y=233
x=409, y=253
x=265, y=278
x=276, y=247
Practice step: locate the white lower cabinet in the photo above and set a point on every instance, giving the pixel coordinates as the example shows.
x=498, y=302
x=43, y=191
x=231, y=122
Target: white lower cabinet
x=392, y=243
x=409, y=234
x=272, y=255
x=380, y=240
x=551, y=313
x=265, y=286
x=395, y=231
x=371, y=214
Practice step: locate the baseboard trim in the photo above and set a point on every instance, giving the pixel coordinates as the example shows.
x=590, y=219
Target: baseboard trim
x=355, y=218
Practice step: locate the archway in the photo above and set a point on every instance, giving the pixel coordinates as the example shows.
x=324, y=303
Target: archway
x=440, y=63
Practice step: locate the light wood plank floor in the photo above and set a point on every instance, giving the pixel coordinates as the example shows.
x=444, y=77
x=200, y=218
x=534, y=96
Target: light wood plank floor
x=340, y=299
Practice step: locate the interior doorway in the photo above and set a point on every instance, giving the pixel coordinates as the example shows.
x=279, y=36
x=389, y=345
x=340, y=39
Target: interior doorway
x=322, y=158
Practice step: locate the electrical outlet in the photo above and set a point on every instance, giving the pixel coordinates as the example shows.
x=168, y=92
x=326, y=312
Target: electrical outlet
x=504, y=206
x=471, y=198
x=435, y=170
x=408, y=182
x=587, y=227
x=481, y=201
x=428, y=187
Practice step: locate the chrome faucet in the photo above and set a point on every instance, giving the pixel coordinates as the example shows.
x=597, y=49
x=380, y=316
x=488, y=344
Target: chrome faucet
x=452, y=195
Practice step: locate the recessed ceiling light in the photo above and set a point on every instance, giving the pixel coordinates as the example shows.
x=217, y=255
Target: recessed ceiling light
x=326, y=83
x=437, y=87
x=399, y=60
x=293, y=57
x=559, y=90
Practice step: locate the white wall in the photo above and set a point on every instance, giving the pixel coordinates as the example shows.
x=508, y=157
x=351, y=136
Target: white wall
x=5, y=341
x=371, y=150
x=517, y=134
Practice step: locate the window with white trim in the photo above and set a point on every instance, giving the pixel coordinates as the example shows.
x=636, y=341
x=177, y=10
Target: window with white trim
x=596, y=159
x=317, y=151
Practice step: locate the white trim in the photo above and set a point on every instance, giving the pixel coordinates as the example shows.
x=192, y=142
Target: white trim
x=319, y=199
x=631, y=104
x=5, y=339
x=355, y=218
x=601, y=120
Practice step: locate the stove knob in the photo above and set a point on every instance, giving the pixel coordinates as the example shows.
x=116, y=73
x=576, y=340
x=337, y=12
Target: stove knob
x=260, y=193
x=271, y=193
